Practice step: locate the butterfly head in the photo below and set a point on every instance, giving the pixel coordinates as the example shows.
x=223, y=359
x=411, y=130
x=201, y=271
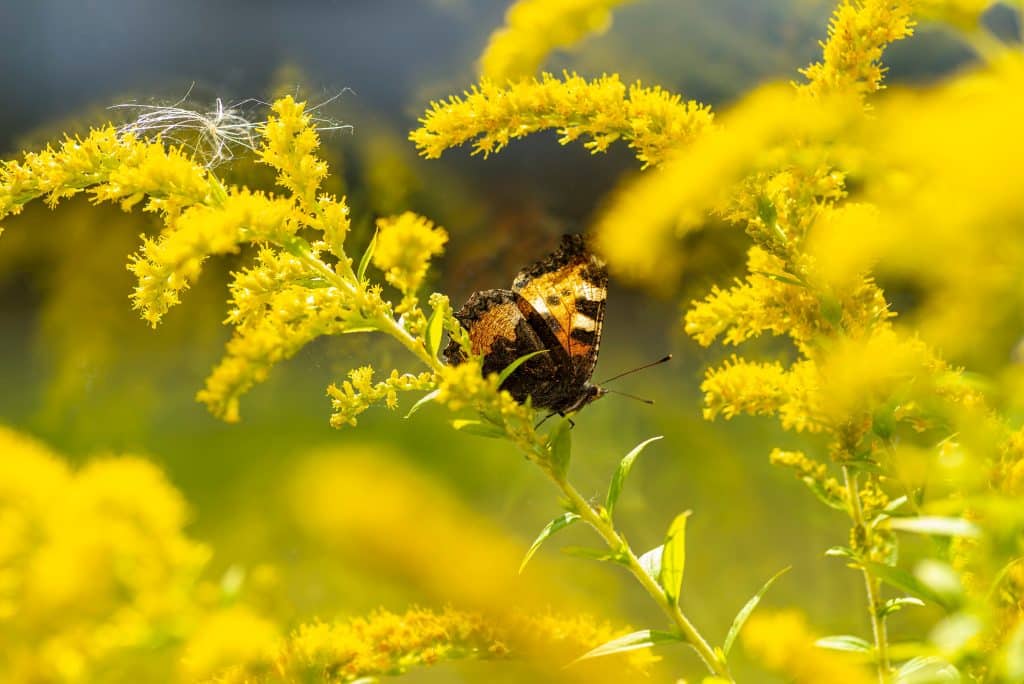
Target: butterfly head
x=588, y=394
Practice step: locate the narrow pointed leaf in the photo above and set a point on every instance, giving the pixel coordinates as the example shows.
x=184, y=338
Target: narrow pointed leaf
x=844, y=642
x=555, y=525
x=511, y=368
x=901, y=579
x=645, y=638
x=673, y=560
x=425, y=399
x=560, y=439
x=896, y=604
x=946, y=527
x=435, y=332
x=651, y=562
x=367, y=255
x=926, y=670
x=592, y=554
x=476, y=427
x=746, y=610
x=841, y=552
x=625, y=465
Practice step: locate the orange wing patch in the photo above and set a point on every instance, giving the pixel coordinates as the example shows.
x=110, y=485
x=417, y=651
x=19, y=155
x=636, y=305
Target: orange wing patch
x=555, y=296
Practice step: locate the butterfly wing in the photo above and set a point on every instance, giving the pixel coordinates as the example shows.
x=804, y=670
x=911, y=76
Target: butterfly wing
x=500, y=333
x=564, y=297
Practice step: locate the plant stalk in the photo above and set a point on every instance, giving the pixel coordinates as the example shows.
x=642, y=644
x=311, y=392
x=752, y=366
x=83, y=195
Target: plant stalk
x=616, y=543
x=872, y=584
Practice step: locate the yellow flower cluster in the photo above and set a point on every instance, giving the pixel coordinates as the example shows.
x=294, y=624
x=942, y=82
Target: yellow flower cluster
x=359, y=392
x=405, y=244
x=533, y=28
x=783, y=643
x=651, y=121
x=858, y=33
x=387, y=643
x=95, y=571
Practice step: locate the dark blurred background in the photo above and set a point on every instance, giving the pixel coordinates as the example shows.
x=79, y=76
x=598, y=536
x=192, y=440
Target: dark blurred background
x=79, y=370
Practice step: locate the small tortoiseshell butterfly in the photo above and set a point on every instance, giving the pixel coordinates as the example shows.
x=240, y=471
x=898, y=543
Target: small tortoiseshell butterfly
x=555, y=305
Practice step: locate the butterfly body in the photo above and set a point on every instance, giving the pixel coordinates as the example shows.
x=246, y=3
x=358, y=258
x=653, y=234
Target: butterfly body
x=555, y=306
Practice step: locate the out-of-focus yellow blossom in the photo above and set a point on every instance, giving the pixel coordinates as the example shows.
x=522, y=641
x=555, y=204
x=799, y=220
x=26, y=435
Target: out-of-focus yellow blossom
x=639, y=228
x=96, y=575
x=783, y=643
x=359, y=392
x=858, y=33
x=387, y=643
x=533, y=28
x=366, y=505
x=651, y=121
x=226, y=637
x=813, y=474
x=405, y=245
x=963, y=14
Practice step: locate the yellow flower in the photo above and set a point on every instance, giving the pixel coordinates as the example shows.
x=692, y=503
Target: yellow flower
x=225, y=638
x=783, y=643
x=386, y=643
x=858, y=33
x=359, y=392
x=651, y=121
x=405, y=245
x=533, y=28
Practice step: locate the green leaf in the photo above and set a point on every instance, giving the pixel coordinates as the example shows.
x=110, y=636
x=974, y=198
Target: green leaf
x=896, y=503
x=511, y=368
x=841, y=552
x=592, y=554
x=673, y=559
x=901, y=579
x=425, y=399
x=651, y=562
x=625, y=465
x=844, y=642
x=435, y=331
x=476, y=427
x=823, y=494
x=894, y=605
x=555, y=525
x=645, y=638
x=926, y=670
x=746, y=610
x=367, y=255
x=560, y=441
x=946, y=527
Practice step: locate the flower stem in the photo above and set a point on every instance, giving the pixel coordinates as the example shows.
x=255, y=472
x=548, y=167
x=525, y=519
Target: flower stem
x=871, y=583
x=671, y=609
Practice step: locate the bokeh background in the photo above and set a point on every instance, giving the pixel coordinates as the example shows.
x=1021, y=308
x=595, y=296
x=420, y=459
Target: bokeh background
x=284, y=499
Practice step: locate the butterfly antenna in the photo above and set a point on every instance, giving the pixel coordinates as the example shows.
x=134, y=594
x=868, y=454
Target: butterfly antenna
x=631, y=396
x=634, y=370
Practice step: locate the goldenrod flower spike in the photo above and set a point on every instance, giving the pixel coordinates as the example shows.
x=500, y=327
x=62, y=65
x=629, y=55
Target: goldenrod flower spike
x=534, y=28
x=650, y=120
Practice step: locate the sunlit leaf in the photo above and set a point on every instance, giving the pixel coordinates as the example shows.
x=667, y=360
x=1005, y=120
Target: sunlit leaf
x=947, y=527
x=896, y=604
x=844, y=642
x=625, y=465
x=651, y=562
x=511, y=368
x=435, y=331
x=560, y=440
x=901, y=579
x=425, y=399
x=673, y=560
x=841, y=552
x=367, y=255
x=555, y=525
x=592, y=554
x=746, y=610
x=476, y=427
x=645, y=638
x=926, y=670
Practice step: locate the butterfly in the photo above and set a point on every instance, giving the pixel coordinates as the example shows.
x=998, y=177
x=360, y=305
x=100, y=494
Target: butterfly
x=557, y=306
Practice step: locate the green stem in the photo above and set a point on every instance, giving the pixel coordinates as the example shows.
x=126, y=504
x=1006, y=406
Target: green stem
x=671, y=609
x=871, y=583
